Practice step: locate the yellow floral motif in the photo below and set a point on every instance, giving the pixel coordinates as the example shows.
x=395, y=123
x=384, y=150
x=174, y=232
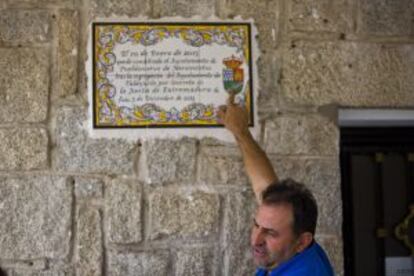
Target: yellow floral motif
x=209, y=112
x=139, y=115
x=163, y=116
x=185, y=116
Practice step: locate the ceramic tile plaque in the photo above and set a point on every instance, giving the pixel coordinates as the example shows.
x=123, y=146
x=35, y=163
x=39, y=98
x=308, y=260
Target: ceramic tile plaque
x=169, y=75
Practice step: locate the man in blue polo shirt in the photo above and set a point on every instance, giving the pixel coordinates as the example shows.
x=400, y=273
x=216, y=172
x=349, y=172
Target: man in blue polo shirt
x=283, y=231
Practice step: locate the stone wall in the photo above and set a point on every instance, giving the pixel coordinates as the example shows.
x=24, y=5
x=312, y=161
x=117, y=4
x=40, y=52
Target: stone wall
x=71, y=205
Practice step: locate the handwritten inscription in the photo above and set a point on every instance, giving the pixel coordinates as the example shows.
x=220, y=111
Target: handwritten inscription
x=165, y=75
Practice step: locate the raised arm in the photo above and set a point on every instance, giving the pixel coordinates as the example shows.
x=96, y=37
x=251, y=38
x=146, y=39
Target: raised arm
x=258, y=167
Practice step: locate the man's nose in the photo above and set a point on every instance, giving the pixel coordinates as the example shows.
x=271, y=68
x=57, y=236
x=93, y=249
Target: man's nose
x=257, y=237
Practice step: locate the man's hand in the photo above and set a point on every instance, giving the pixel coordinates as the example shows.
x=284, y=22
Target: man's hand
x=234, y=117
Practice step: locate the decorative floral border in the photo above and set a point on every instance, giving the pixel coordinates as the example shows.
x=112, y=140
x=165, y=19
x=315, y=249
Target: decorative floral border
x=109, y=114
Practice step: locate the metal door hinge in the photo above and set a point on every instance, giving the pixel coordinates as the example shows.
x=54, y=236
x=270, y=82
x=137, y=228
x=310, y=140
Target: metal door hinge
x=404, y=230
x=382, y=233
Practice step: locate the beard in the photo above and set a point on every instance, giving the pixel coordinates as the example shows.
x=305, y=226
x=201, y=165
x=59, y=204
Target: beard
x=263, y=258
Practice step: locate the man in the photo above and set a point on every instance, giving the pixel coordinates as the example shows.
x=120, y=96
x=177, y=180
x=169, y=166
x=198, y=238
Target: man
x=282, y=237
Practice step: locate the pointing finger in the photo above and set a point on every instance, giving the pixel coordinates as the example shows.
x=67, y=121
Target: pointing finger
x=230, y=100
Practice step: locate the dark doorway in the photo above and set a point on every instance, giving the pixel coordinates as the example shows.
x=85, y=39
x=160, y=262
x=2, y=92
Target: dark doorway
x=377, y=171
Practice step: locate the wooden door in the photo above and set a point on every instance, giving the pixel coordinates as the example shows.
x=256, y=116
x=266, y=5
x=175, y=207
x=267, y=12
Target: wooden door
x=377, y=170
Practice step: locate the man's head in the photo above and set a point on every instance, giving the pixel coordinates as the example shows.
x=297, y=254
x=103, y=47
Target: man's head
x=284, y=224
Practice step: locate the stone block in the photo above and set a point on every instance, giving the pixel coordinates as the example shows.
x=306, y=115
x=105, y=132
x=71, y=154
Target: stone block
x=42, y=273
x=38, y=264
x=105, y=8
x=220, y=165
x=24, y=26
x=184, y=214
x=199, y=214
x=168, y=161
x=269, y=70
x=24, y=84
x=67, y=51
x=184, y=8
x=43, y=2
x=381, y=17
x=334, y=249
x=23, y=148
x=302, y=135
x=265, y=15
x=123, y=210
x=138, y=264
x=164, y=214
x=89, y=241
x=47, y=272
x=88, y=187
x=320, y=15
x=239, y=260
x=75, y=152
x=35, y=212
x=197, y=261
x=349, y=74
x=321, y=176
x=238, y=216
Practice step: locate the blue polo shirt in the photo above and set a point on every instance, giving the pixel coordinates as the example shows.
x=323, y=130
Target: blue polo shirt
x=310, y=262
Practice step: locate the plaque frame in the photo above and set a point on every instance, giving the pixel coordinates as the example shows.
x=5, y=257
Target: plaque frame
x=209, y=121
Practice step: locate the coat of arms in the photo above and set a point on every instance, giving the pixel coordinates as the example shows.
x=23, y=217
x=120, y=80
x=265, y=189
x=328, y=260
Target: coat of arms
x=233, y=75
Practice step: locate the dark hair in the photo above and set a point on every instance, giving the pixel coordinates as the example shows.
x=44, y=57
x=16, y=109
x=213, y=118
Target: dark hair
x=305, y=210
x=2, y=273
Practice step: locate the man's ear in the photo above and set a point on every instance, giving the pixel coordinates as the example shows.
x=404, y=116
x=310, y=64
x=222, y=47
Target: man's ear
x=304, y=240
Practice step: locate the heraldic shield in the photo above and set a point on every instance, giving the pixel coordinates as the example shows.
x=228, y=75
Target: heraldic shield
x=233, y=75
